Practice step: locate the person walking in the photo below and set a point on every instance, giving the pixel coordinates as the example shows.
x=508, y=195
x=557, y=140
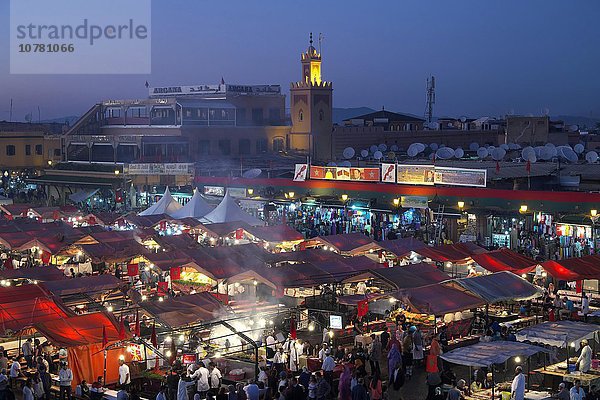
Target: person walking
x=517, y=388
x=375, y=355
x=65, y=378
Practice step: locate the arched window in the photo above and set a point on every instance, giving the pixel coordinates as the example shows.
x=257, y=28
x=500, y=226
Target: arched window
x=278, y=144
x=321, y=115
x=300, y=115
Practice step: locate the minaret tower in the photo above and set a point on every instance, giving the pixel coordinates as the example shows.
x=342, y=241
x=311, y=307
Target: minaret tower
x=311, y=109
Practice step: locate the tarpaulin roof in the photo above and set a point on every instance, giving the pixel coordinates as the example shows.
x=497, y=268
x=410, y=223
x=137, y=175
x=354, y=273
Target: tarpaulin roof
x=166, y=205
x=410, y=276
x=558, y=333
x=485, y=354
x=166, y=260
x=80, y=330
x=354, y=299
x=275, y=233
x=308, y=255
x=23, y=306
x=175, y=242
x=451, y=252
x=82, y=195
x=186, y=310
x=42, y=274
x=15, y=209
x=350, y=242
x=146, y=221
x=95, y=284
x=222, y=229
x=498, y=287
x=103, y=217
x=115, y=251
x=196, y=207
x=402, y=246
x=505, y=260
x=228, y=211
x=577, y=268
x=438, y=299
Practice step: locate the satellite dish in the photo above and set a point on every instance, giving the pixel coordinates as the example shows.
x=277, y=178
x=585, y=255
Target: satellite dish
x=412, y=151
x=538, y=151
x=445, y=153
x=474, y=146
x=463, y=119
x=378, y=155
x=441, y=145
x=573, y=128
x=420, y=147
x=382, y=147
x=364, y=153
x=331, y=164
x=346, y=164
x=433, y=125
x=591, y=157
x=498, y=153
x=434, y=146
x=579, y=148
x=546, y=153
x=373, y=148
x=391, y=155
x=348, y=152
x=252, y=173
x=504, y=146
x=459, y=152
x=567, y=153
x=482, y=152
x=514, y=146
x=394, y=147
x=528, y=154
x=546, y=111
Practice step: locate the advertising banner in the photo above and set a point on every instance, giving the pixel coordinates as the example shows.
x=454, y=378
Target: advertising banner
x=416, y=174
x=345, y=174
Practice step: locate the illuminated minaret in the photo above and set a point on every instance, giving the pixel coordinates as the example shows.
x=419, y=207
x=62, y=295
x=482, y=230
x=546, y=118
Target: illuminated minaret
x=311, y=108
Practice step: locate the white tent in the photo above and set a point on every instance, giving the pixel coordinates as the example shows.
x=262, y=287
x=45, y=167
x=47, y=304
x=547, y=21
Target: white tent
x=197, y=207
x=228, y=211
x=166, y=205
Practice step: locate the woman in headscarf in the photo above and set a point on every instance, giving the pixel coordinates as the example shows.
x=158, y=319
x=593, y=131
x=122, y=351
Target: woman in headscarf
x=396, y=381
x=344, y=385
x=394, y=357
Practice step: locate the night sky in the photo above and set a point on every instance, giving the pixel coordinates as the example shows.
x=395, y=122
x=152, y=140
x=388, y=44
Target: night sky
x=489, y=57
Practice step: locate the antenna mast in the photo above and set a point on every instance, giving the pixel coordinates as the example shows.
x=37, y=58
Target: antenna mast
x=430, y=98
x=320, y=40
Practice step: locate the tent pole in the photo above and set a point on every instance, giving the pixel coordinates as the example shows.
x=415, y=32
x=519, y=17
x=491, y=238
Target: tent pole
x=104, y=366
x=493, y=381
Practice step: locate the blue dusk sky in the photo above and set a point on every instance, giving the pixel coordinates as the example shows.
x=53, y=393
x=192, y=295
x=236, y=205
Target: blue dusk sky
x=488, y=57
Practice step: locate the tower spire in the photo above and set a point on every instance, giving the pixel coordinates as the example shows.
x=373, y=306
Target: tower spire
x=311, y=41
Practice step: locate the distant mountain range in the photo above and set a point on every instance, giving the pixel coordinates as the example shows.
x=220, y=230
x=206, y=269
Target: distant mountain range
x=69, y=120
x=340, y=114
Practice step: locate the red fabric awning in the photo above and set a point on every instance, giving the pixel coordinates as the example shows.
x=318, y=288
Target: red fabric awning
x=80, y=330
x=186, y=310
x=572, y=269
x=23, y=306
x=451, y=252
x=275, y=233
x=505, y=260
x=438, y=299
x=349, y=242
x=42, y=274
x=400, y=247
x=92, y=285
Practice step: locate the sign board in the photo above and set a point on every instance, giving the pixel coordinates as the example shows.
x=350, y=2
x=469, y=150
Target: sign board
x=300, y=172
x=414, y=201
x=214, y=191
x=345, y=174
x=160, y=169
x=416, y=174
x=388, y=173
x=237, y=192
x=460, y=176
x=335, y=322
x=195, y=90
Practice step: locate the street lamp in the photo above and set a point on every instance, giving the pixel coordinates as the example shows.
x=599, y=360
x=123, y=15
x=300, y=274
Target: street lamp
x=291, y=195
x=117, y=172
x=523, y=208
x=461, y=205
x=250, y=192
x=344, y=197
x=396, y=202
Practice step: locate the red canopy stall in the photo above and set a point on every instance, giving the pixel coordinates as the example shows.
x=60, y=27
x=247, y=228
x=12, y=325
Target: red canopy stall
x=572, y=269
x=82, y=336
x=505, y=260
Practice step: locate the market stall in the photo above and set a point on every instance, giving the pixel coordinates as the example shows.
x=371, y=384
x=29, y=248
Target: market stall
x=505, y=260
x=350, y=244
x=83, y=337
